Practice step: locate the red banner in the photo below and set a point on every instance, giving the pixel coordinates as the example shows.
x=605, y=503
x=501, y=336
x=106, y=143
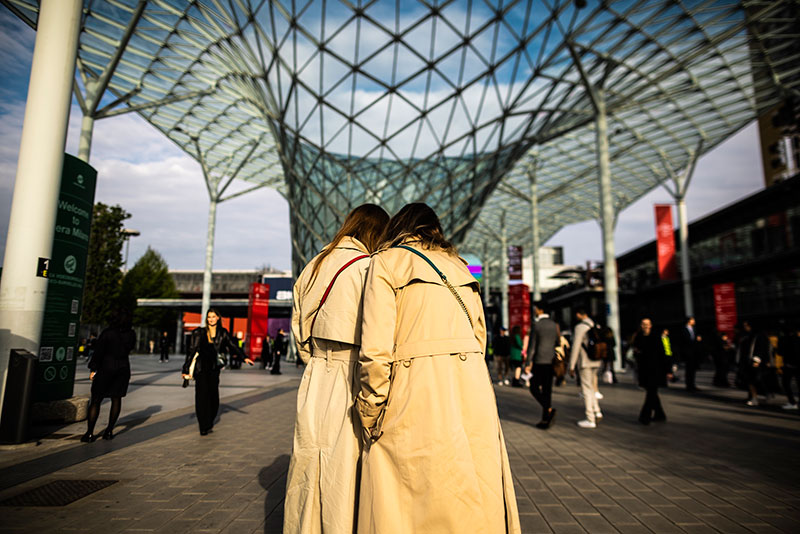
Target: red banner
x=519, y=307
x=725, y=307
x=257, y=319
x=665, y=243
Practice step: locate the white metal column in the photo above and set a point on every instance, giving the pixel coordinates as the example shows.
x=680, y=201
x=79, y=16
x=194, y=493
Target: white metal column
x=607, y=218
x=504, y=270
x=683, y=239
x=41, y=157
x=207, y=273
x=85, y=141
x=537, y=290
x=487, y=292
x=179, y=334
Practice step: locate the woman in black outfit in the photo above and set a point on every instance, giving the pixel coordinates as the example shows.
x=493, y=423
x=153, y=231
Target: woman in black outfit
x=653, y=368
x=208, y=343
x=110, y=372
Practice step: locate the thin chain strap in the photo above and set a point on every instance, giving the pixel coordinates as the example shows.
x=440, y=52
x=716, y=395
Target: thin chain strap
x=444, y=280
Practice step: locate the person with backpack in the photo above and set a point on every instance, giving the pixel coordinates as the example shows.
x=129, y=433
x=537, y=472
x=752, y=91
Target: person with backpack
x=587, y=356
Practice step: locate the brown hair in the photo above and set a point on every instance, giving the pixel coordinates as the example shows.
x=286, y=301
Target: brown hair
x=365, y=223
x=420, y=221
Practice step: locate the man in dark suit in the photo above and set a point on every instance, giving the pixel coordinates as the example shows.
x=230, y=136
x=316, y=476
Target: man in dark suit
x=545, y=335
x=690, y=352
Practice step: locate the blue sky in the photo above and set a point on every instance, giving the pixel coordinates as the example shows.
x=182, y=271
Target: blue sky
x=163, y=188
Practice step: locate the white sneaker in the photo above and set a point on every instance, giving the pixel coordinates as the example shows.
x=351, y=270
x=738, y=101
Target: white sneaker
x=506, y=382
x=752, y=402
x=586, y=424
x=598, y=415
x=789, y=406
x=499, y=382
x=598, y=395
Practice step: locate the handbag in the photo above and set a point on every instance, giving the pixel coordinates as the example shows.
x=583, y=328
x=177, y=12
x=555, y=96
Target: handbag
x=193, y=364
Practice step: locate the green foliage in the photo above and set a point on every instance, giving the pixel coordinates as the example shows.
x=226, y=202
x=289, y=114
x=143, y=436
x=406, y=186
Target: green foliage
x=104, y=264
x=149, y=278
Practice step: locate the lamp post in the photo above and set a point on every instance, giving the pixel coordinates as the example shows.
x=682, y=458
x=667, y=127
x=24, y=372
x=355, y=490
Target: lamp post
x=128, y=233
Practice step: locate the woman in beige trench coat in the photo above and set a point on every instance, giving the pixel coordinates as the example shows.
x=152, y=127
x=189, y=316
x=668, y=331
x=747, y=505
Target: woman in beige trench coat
x=322, y=485
x=435, y=459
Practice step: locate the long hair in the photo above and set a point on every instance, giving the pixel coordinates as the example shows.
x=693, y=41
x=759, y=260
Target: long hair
x=365, y=223
x=417, y=220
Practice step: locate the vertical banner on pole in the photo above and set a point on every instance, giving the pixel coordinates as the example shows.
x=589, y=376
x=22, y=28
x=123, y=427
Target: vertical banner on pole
x=514, y=263
x=519, y=307
x=665, y=243
x=725, y=307
x=257, y=319
x=65, y=271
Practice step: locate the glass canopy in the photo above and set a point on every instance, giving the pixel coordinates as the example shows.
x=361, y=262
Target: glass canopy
x=461, y=104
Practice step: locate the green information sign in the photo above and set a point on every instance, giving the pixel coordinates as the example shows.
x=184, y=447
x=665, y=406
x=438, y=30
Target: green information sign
x=65, y=271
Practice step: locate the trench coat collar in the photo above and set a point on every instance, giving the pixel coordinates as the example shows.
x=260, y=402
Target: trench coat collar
x=352, y=243
x=455, y=267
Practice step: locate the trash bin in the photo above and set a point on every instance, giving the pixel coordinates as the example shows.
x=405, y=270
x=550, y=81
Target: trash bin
x=17, y=401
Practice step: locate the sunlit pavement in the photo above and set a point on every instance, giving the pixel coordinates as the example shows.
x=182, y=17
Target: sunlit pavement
x=715, y=466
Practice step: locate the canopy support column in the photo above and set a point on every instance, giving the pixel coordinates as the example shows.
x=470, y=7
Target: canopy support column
x=608, y=219
x=537, y=290
x=207, y=273
x=487, y=292
x=32, y=220
x=504, y=270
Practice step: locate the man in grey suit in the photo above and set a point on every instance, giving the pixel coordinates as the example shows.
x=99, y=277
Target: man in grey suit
x=587, y=368
x=545, y=335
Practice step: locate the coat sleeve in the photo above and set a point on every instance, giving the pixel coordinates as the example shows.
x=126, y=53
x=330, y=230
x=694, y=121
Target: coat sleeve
x=575, y=352
x=303, y=349
x=377, y=346
x=100, y=348
x=531, y=345
x=191, y=349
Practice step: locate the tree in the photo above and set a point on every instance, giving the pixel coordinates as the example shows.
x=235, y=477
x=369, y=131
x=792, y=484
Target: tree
x=149, y=278
x=104, y=264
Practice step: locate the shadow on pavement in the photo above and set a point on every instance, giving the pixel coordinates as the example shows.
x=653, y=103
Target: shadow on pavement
x=273, y=479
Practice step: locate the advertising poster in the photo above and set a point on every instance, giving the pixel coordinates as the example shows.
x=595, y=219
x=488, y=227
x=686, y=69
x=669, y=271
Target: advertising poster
x=725, y=307
x=519, y=307
x=514, y=263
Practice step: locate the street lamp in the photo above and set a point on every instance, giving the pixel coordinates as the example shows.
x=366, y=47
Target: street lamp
x=128, y=233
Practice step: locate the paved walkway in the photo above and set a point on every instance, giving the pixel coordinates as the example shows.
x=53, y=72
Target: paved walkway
x=715, y=466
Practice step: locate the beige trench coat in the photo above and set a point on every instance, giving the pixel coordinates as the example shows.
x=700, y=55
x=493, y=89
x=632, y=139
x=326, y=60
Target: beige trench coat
x=322, y=484
x=439, y=463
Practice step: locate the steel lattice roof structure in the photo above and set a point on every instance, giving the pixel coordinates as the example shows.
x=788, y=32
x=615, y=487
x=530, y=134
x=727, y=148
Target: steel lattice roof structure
x=460, y=104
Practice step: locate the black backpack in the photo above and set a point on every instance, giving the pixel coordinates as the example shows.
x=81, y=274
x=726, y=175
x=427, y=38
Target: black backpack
x=595, y=344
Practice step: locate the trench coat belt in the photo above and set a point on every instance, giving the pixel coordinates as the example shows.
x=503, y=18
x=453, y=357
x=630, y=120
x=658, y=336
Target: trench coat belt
x=461, y=356
x=325, y=351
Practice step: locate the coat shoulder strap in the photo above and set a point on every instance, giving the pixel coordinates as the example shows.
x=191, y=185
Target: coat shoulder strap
x=444, y=280
x=330, y=286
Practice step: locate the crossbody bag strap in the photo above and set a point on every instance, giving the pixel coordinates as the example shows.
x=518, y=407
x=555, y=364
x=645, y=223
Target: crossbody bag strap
x=330, y=286
x=444, y=280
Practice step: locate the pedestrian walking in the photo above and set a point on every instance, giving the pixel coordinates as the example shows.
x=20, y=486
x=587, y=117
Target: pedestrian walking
x=790, y=350
x=279, y=349
x=652, y=366
x=545, y=337
x=690, y=351
x=587, y=368
x=515, y=356
x=266, y=352
x=502, y=352
x=755, y=356
x=322, y=485
x=204, y=360
x=722, y=352
x=435, y=458
x=163, y=345
x=110, y=372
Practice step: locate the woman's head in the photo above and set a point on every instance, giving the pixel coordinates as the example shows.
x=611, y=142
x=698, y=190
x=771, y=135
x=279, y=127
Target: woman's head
x=419, y=221
x=365, y=223
x=212, y=317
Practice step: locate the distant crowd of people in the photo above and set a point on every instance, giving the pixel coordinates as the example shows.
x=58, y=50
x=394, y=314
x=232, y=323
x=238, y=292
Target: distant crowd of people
x=762, y=363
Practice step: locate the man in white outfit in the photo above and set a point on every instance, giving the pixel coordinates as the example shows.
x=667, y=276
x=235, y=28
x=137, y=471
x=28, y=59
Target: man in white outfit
x=587, y=368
